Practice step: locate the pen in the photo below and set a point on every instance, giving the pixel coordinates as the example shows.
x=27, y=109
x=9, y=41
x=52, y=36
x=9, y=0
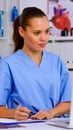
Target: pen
x=34, y=108
x=17, y=103
x=31, y=113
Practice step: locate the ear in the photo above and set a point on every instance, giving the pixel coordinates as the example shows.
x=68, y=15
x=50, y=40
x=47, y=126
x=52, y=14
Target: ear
x=21, y=31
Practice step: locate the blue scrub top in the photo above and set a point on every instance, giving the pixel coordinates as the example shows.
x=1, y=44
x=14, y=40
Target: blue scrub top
x=42, y=86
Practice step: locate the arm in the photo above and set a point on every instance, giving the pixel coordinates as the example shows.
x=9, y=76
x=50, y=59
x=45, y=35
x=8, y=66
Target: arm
x=20, y=113
x=59, y=110
x=6, y=113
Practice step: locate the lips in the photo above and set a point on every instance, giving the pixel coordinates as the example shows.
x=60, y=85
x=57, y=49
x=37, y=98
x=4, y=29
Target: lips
x=42, y=45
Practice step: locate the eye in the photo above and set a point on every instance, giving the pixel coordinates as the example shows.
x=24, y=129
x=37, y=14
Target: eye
x=47, y=31
x=36, y=33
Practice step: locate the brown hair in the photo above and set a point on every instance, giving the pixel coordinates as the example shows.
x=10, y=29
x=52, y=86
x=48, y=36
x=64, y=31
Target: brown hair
x=23, y=21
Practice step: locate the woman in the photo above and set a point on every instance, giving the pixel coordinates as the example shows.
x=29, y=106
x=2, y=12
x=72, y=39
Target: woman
x=33, y=78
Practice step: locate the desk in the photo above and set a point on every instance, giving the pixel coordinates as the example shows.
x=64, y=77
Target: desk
x=34, y=126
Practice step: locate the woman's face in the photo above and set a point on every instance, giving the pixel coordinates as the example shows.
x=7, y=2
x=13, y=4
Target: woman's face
x=36, y=35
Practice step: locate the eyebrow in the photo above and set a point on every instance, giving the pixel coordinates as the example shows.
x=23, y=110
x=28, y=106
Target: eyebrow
x=45, y=29
x=48, y=28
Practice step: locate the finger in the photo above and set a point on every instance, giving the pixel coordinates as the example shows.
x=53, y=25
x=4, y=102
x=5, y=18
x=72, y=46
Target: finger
x=50, y=114
x=20, y=118
x=21, y=114
x=40, y=115
x=27, y=110
x=23, y=109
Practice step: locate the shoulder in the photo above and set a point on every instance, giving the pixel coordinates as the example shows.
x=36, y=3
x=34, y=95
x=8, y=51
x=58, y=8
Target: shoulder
x=10, y=58
x=8, y=62
x=55, y=60
x=52, y=56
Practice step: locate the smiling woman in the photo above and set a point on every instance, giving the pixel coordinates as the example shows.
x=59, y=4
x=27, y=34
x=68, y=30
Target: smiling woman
x=36, y=79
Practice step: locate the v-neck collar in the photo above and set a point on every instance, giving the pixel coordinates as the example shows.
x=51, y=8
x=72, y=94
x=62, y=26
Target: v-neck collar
x=31, y=61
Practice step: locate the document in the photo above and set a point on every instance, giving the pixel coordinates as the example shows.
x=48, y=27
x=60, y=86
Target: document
x=2, y=126
x=10, y=123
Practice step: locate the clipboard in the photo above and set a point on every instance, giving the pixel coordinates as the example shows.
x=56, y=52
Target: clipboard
x=17, y=124
x=3, y=126
x=22, y=122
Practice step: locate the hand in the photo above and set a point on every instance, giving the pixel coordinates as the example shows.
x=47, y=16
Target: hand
x=21, y=113
x=43, y=114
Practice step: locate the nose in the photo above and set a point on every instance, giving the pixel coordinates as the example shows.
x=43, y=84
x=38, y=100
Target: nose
x=42, y=37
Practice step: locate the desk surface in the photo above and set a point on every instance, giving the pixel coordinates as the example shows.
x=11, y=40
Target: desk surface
x=33, y=126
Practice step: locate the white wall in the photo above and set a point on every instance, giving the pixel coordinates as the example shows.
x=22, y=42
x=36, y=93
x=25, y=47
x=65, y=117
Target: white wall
x=37, y=3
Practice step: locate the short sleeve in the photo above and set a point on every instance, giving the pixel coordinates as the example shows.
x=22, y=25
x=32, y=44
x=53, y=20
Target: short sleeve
x=66, y=84
x=5, y=82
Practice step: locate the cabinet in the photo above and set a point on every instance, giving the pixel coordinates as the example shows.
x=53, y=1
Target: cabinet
x=61, y=38
x=3, y=17
x=6, y=42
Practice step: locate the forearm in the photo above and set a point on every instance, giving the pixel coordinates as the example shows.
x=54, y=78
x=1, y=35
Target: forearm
x=6, y=113
x=61, y=109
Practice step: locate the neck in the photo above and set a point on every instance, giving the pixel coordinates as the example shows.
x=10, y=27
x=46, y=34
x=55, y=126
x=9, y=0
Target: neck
x=35, y=56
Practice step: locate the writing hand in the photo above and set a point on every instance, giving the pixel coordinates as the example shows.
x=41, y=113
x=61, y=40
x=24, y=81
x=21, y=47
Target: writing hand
x=21, y=113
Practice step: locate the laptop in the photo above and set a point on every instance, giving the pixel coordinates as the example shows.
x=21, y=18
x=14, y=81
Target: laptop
x=63, y=122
